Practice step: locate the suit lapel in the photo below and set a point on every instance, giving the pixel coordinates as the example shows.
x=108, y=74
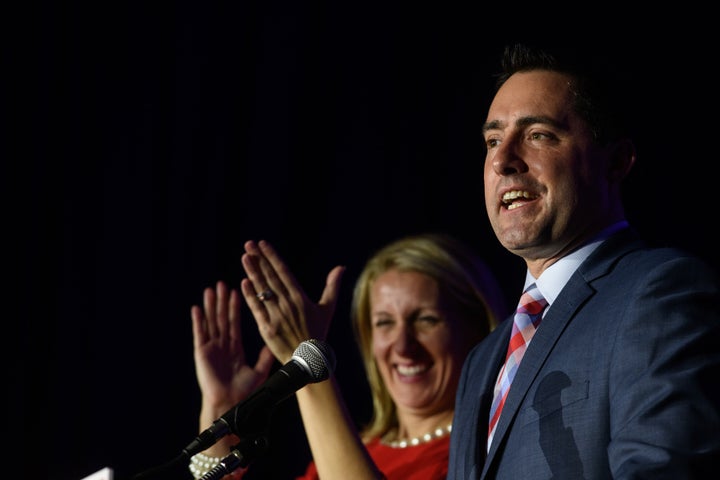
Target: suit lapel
x=496, y=357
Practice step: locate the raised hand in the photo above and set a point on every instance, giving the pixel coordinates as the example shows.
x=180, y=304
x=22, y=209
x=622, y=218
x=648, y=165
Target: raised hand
x=285, y=316
x=221, y=368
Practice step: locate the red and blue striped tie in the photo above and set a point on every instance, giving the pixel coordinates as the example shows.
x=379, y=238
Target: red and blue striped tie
x=527, y=319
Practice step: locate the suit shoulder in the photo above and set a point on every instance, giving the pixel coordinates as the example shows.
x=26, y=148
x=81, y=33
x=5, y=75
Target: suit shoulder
x=653, y=258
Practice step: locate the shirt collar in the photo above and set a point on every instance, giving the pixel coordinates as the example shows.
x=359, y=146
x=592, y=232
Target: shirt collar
x=553, y=280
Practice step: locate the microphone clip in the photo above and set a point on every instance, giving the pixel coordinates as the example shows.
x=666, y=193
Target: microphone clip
x=241, y=455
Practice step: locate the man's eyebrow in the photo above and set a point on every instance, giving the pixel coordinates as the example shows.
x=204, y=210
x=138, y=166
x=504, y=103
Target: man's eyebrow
x=492, y=125
x=521, y=122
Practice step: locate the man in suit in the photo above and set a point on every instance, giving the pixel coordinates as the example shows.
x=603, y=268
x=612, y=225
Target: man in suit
x=618, y=375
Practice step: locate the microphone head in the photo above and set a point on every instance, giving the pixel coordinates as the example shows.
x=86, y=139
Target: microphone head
x=317, y=358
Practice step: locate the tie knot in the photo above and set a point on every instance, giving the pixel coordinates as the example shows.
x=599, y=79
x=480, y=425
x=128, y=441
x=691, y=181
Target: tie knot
x=532, y=302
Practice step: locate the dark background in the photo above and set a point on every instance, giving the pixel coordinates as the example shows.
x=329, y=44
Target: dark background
x=145, y=142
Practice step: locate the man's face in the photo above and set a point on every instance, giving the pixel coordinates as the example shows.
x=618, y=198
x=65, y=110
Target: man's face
x=546, y=183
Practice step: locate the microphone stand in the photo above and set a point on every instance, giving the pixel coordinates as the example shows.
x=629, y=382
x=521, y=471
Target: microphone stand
x=240, y=456
x=247, y=450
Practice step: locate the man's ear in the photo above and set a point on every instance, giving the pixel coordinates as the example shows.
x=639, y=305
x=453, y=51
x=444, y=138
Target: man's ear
x=622, y=158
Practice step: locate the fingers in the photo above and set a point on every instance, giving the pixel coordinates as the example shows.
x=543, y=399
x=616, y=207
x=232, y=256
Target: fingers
x=198, y=326
x=220, y=316
x=257, y=308
x=222, y=309
x=278, y=268
x=289, y=314
x=261, y=275
x=203, y=318
x=234, y=324
x=210, y=311
x=263, y=267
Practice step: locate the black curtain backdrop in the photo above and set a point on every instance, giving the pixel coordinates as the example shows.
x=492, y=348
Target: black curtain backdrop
x=146, y=142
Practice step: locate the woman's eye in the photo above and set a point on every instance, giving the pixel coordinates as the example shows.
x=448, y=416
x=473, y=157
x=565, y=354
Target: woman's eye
x=382, y=322
x=429, y=320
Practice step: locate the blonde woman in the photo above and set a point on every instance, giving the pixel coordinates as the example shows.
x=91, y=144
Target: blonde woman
x=419, y=305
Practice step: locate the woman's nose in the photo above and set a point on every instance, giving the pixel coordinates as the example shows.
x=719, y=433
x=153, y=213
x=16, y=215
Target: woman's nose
x=405, y=341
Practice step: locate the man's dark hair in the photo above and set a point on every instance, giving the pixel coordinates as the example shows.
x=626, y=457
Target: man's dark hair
x=600, y=84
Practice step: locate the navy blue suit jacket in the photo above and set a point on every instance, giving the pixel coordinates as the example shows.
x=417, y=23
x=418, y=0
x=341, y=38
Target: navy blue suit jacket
x=621, y=380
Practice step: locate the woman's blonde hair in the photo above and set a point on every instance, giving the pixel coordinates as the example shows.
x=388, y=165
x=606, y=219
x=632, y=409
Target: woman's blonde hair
x=465, y=282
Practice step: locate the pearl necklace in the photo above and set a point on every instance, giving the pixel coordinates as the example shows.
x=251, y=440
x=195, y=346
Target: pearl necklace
x=412, y=442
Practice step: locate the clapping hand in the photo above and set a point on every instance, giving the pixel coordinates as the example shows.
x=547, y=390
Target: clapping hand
x=283, y=312
x=222, y=371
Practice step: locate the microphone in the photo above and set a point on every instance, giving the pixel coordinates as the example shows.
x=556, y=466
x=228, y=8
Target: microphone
x=312, y=361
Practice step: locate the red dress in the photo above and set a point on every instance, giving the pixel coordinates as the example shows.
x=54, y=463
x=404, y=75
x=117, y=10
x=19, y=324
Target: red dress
x=426, y=461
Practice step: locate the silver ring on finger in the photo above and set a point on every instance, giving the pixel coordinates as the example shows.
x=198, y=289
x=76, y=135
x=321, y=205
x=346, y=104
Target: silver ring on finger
x=265, y=295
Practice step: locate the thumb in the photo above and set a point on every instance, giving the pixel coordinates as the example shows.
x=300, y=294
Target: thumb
x=332, y=287
x=265, y=361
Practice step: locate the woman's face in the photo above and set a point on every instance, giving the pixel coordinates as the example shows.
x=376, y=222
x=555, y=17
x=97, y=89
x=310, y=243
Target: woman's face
x=418, y=344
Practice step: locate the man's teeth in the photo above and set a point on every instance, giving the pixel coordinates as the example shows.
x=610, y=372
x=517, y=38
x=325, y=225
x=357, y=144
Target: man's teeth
x=509, y=197
x=513, y=194
x=410, y=370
